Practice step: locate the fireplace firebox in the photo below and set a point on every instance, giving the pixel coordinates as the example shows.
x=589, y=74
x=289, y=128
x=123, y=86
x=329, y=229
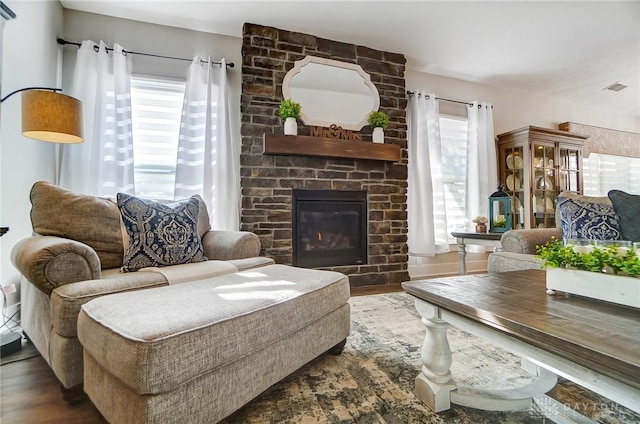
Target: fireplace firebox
x=329, y=228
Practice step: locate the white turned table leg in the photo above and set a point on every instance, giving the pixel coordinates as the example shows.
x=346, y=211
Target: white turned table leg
x=434, y=383
x=462, y=257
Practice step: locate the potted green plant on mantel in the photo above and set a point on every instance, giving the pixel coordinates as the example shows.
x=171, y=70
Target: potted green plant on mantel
x=379, y=121
x=610, y=272
x=290, y=112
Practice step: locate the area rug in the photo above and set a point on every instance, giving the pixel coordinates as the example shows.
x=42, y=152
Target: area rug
x=372, y=381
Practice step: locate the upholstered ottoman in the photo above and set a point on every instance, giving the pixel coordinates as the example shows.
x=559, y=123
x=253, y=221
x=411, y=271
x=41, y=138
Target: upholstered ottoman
x=196, y=352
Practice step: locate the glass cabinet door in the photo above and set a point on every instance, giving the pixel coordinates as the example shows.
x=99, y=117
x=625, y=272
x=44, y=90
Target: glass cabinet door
x=513, y=181
x=570, y=174
x=545, y=188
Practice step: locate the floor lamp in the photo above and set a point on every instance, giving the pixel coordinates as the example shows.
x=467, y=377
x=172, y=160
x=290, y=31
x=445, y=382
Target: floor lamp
x=47, y=115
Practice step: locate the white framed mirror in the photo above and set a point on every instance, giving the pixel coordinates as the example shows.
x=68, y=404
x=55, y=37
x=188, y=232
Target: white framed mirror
x=331, y=92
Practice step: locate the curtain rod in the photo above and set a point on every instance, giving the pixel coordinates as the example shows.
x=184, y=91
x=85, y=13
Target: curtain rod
x=410, y=93
x=64, y=42
x=6, y=12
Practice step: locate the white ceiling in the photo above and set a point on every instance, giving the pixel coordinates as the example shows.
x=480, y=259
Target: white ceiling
x=569, y=50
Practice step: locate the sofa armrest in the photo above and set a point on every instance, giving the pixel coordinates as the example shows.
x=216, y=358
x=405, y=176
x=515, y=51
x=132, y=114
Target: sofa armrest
x=49, y=262
x=525, y=241
x=226, y=245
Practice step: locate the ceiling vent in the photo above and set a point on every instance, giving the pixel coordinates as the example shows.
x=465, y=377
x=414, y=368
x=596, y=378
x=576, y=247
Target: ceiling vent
x=616, y=86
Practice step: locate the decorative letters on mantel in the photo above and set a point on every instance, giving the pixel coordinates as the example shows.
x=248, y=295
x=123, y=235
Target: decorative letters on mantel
x=605, y=140
x=334, y=131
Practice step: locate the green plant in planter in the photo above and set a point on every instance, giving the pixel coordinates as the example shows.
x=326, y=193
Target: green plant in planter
x=500, y=222
x=378, y=119
x=555, y=255
x=289, y=109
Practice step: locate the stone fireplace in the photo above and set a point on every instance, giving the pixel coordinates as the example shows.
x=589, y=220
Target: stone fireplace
x=270, y=181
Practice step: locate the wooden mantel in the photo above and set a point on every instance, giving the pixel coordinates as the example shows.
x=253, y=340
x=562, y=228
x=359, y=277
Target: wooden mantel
x=300, y=145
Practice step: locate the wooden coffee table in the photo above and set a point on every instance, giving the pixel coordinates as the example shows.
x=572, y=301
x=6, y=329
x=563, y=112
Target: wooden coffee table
x=595, y=344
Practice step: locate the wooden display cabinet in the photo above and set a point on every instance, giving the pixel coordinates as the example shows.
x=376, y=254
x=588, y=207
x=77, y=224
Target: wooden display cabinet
x=535, y=165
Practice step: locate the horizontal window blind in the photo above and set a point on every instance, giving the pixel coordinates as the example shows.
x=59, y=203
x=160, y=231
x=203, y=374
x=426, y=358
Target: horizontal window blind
x=453, y=135
x=608, y=172
x=156, y=105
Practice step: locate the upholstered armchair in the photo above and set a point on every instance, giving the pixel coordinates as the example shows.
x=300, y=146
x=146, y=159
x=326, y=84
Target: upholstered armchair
x=613, y=217
x=76, y=255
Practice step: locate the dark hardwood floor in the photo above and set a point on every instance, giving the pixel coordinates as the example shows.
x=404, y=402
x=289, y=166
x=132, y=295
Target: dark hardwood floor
x=30, y=392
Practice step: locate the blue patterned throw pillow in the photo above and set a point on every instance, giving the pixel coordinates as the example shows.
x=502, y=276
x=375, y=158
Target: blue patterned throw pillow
x=627, y=207
x=160, y=234
x=587, y=217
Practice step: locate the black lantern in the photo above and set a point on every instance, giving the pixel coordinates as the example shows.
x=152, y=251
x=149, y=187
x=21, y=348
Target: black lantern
x=499, y=211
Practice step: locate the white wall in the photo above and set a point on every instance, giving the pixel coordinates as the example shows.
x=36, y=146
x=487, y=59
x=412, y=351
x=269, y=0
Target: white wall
x=513, y=109
x=30, y=57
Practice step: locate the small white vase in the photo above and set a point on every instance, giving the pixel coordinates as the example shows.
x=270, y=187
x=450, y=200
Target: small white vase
x=378, y=135
x=291, y=126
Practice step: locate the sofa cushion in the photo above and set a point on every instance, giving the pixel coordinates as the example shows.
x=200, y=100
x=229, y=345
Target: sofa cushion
x=186, y=273
x=627, y=207
x=160, y=234
x=91, y=220
x=204, y=225
x=587, y=217
x=67, y=300
x=251, y=263
x=142, y=337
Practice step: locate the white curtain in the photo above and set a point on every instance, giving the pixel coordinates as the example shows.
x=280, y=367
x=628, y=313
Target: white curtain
x=103, y=164
x=427, y=220
x=208, y=160
x=482, y=168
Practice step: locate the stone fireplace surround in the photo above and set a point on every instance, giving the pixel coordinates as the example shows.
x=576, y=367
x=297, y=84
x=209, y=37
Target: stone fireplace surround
x=267, y=180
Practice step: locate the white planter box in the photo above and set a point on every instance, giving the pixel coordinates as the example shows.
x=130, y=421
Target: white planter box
x=611, y=288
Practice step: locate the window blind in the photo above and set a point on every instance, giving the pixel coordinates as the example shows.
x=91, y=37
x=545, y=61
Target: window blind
x=607, y=172
x=453, y=136
x=156, y=105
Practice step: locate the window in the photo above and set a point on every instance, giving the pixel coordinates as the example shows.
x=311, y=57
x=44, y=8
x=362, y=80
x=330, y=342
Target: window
x=607, y=172
x=453, y=135
x=156, y=109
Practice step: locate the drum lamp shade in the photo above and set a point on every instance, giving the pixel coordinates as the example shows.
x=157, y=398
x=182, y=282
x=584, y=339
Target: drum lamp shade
x=51, y=116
